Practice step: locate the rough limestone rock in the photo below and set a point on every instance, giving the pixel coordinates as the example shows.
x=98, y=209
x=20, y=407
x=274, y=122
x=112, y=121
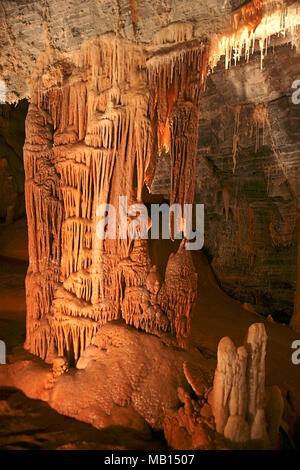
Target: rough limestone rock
x=124, y=378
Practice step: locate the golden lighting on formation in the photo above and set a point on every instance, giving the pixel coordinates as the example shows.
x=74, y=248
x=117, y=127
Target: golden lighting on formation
x=164, y=137
x=164, y=133
x=255, y=24
x=252, y=27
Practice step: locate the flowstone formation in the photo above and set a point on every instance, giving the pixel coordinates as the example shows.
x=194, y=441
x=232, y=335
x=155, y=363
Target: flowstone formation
x=94, y=128
x=98, y=120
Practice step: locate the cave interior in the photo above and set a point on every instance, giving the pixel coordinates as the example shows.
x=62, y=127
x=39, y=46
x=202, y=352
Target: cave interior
x=140, y=342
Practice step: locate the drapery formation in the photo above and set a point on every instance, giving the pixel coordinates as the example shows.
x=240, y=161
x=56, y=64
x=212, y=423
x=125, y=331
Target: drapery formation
x=94, y=129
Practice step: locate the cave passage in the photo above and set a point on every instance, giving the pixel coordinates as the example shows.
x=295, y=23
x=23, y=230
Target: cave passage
x=131, y=342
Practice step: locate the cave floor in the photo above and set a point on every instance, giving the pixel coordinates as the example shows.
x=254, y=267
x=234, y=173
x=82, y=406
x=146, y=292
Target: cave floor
x=218, y=315
x=32, y=424
x=28, y=424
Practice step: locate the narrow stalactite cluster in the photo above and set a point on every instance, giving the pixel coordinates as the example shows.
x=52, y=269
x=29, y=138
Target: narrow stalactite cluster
x=252, y=26
x=176, y=88
x=93, y=130
x=295, y=321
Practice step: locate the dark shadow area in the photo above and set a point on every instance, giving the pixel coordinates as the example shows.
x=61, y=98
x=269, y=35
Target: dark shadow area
x=32, y=425
x=12, y=136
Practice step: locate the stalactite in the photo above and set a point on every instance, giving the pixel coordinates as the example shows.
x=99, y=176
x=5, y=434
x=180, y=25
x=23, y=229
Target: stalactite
x=174, y=33
x=260, y=120
x=253, y=24
x=94, y=128
x=176, y=86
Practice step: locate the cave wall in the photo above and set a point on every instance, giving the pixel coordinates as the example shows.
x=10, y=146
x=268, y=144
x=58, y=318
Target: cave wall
x=254, y=251
x=248, y=167
x=12, y=136
x=28, y=28
x=109, y=113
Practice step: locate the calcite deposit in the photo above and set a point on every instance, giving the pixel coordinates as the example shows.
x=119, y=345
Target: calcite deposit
x=96, y=125
x=90, y=142
x=238, y=393
x=133, y=103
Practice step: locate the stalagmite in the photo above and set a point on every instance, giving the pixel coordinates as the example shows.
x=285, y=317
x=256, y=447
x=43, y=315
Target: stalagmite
x=94, y=129
x=176, y=83
x=237, y=430
x=238, y=397
x=255, y=343
x=227, y=358
x=178, y=291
